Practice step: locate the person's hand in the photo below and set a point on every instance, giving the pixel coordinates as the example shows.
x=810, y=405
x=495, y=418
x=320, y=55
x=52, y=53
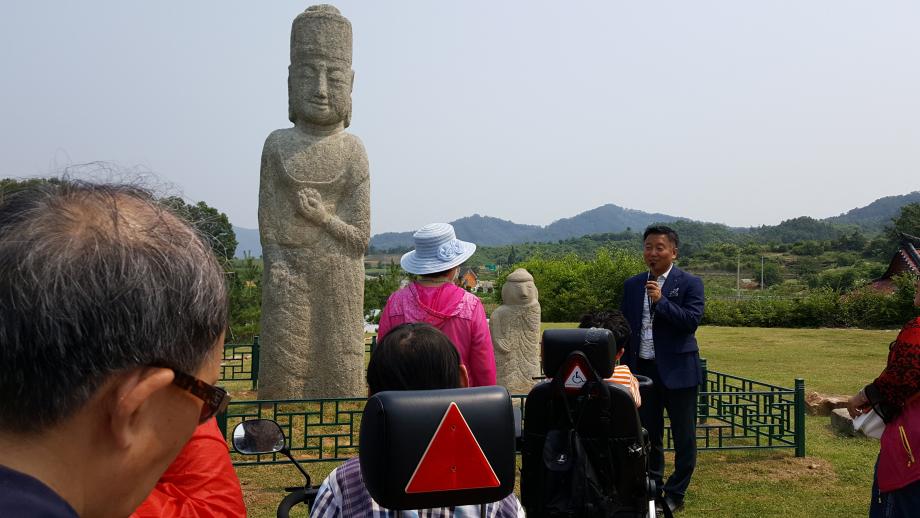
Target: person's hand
x=858, y=404
x=310, y=205
x=653, y=290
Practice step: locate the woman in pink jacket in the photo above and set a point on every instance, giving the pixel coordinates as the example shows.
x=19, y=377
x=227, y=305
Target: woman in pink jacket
x=435, y=299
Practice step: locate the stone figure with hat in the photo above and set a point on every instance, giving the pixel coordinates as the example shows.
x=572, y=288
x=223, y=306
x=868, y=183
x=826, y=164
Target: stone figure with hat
x=314, y=223
x=515, y=327
x=434, y=298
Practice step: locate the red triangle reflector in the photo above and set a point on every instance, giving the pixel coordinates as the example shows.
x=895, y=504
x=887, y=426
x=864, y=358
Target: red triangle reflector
x=453, y=459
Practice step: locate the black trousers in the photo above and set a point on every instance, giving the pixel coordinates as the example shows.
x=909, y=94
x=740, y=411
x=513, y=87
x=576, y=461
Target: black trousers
x=681, y=406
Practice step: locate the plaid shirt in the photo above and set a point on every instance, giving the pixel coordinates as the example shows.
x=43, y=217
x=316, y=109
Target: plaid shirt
x=343, y=495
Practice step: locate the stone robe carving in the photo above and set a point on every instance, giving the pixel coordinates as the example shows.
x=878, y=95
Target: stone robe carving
x=314, y=223
x=515, y=328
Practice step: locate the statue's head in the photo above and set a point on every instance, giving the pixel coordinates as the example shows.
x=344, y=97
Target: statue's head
x=519, y=289
x=320, y=77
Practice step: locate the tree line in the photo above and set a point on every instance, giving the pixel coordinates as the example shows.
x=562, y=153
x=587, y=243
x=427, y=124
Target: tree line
x=818, y=281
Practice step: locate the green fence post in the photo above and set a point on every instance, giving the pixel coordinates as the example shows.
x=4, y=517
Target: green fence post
x=799, y=417
x=222, y=423
x=702, y=407
x=255, y=362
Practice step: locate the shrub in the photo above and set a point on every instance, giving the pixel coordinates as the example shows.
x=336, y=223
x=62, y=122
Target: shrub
x=824, y=307
x=570, y=286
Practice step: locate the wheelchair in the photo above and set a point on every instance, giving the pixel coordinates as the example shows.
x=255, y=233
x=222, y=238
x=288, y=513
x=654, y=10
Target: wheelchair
x=603, y=415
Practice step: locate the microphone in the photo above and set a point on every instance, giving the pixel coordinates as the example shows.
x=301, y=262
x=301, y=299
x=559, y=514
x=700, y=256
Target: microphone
x=651, y=306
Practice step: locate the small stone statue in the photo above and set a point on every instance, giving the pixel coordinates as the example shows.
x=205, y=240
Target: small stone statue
x=314, y=222
x=515, y=327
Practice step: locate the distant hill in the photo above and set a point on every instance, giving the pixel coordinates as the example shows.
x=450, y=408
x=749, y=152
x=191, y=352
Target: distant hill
x=489, y=231
x=482, y=230
x=606, y=218
x=874, y=216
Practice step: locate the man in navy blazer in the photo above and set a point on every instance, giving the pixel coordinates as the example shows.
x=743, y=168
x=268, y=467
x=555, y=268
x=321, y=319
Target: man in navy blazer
x=664, y=307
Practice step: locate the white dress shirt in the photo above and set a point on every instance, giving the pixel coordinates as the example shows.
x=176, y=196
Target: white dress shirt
x=646, y=343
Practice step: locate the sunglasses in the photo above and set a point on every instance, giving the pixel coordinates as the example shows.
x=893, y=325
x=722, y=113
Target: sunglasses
x=215, y=399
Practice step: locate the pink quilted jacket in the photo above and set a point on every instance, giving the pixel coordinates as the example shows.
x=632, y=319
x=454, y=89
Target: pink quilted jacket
x=457, y=313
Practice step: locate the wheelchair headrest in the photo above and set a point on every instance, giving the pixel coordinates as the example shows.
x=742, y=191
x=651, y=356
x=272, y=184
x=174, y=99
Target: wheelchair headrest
x=596, y=344
x=438, y=448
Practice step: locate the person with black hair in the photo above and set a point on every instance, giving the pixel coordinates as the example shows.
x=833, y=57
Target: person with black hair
x=664, y=307
x=416, y=357
x=412, y=356
x=112, y=322
x=615, y=322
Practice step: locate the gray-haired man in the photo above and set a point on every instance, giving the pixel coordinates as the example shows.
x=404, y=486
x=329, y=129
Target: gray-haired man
x=112, y=313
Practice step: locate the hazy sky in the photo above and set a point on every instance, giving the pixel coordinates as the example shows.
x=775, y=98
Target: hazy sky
x=744, y=113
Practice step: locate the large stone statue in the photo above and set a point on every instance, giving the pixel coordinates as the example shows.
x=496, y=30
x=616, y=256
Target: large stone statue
x=314, y=221
x=515, y=327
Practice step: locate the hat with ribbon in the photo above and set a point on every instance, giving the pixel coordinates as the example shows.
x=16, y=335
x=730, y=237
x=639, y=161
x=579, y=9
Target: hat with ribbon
x=436, y=249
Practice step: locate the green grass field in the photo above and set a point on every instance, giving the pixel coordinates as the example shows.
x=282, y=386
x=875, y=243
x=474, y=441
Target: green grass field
x=833, y=480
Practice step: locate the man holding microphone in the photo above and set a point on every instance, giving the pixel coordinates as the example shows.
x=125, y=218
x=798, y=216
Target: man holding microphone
x=664, y=306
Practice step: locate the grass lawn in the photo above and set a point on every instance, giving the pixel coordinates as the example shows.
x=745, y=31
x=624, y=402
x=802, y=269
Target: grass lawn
x=832, y=481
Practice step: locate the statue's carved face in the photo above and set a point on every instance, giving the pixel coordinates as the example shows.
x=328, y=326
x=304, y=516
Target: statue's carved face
x=320, y=90
x=519, y=293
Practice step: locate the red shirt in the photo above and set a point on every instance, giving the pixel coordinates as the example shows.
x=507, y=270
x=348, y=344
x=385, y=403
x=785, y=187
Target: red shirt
x=200, y=483
x=901, y=378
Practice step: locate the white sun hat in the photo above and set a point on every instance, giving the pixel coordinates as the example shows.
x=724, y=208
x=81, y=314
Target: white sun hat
x=436, y=249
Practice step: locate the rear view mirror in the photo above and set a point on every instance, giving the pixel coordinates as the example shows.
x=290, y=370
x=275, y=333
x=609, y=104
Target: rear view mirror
x=258, y=436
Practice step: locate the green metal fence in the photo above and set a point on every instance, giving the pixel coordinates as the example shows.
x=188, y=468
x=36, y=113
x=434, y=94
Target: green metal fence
x=317, y=430
x=733, y=413
x=241, y=363
x=741, y=413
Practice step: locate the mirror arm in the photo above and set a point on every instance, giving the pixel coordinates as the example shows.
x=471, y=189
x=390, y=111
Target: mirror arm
x=306, y=475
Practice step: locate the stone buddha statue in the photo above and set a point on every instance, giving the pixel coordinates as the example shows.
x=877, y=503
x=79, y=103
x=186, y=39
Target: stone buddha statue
x=314, y=223
x=515, y=328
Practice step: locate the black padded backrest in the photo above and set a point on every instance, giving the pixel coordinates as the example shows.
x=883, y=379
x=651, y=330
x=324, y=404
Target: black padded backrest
x=544, y=412
x=596, y=344
x=398, y=426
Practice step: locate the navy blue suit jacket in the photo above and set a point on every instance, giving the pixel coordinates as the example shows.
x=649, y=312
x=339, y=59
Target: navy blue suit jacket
x=677, y=315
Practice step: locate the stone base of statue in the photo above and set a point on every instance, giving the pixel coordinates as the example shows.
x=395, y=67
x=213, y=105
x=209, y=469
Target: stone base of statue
x=313, y=350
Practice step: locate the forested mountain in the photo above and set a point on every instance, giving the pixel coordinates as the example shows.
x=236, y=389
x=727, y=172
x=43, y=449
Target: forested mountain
x=873, y=217
x=798, y=229
x=489, y=231
x=482, y=230
x=606, y=219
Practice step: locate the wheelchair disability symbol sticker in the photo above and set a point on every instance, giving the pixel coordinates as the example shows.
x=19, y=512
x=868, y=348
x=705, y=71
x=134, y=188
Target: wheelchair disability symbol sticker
x=453, y=459
x=576, y=378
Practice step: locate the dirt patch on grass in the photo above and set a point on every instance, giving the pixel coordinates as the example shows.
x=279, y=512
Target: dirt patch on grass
x=782, y=468
x=242, y=395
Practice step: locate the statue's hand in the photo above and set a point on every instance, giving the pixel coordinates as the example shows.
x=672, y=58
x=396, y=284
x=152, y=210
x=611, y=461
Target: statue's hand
x=310, y=205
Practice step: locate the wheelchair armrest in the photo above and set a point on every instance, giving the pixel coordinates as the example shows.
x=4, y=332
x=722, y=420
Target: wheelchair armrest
x=644, y=381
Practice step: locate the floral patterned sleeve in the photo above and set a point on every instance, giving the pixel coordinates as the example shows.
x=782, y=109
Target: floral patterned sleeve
x=901, y=378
